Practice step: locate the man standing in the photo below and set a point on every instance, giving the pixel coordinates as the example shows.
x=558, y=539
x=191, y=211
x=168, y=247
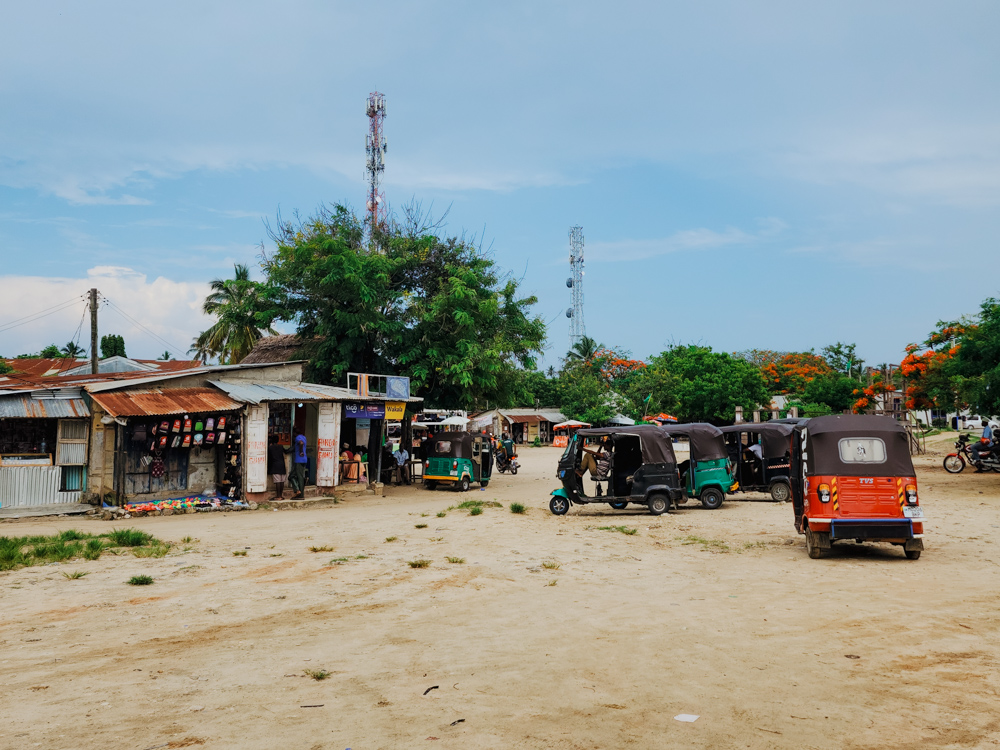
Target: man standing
x=299, y=461
x=276, y=466
x=402, y=468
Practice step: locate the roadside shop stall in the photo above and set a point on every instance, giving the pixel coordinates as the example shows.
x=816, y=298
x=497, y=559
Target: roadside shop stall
x=562, y=432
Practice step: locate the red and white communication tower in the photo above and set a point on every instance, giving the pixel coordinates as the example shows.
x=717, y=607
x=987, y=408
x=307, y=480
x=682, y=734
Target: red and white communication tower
x=375, y=147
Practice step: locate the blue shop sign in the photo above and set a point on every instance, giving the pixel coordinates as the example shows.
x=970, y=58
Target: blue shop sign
x=364, y=411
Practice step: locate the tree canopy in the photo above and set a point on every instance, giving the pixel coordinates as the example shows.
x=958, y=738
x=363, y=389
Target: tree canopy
x=241, y=318
x=112, y=345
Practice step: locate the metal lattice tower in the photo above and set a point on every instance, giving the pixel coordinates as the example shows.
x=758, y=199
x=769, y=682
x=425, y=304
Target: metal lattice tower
x=577, y=329
x=375, y=147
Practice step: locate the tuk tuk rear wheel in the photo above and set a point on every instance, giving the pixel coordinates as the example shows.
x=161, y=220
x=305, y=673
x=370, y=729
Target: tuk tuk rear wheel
x=658, y=504
x=812, y=545
x=484, y=482
x=618, y=506
x=462, y=485
x=712, y=497
x=912, y=554
x=431, y=484
x=558, y=505
x=780, y=492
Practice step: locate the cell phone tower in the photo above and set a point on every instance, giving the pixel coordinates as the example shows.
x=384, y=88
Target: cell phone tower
x=375, y=148
x=577, y=329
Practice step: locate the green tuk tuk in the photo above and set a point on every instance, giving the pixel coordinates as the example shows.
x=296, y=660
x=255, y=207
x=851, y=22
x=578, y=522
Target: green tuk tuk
x=459, y=458
x=708, y=473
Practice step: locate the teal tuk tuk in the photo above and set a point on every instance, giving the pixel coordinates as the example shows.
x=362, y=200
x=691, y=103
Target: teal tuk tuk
x=458, y=458
x=708, y=474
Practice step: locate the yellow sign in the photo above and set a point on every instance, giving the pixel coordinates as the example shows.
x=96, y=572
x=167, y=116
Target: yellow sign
x=394, y=409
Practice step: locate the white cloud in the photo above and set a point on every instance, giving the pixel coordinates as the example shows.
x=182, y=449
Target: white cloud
x=687, y=240
x=169, y=309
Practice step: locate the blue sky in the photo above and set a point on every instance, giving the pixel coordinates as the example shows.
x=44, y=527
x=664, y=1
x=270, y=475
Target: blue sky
x=773, y=175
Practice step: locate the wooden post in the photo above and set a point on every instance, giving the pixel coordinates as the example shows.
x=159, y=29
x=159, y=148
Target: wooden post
x=93, y=331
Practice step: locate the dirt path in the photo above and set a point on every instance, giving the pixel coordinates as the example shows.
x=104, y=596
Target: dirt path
x=715, y=613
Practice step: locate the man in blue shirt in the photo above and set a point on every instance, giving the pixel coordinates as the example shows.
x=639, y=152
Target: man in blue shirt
x=299, y=461
x=402, y=467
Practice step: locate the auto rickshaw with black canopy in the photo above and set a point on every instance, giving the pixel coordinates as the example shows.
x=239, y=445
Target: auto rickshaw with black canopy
x=708, y=473
x=852, y=478
x=767, y=472
x=458, y=458
x=641, y=469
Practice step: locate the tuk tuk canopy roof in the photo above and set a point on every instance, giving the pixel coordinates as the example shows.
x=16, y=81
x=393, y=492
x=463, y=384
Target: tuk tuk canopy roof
x=775, y=438
x=655, y=442
x=707, y=441
x=460, y=445
x=827, y=452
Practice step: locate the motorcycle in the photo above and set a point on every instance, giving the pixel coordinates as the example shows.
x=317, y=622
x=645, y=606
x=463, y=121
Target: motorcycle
x=503, y=465
x=954, y=463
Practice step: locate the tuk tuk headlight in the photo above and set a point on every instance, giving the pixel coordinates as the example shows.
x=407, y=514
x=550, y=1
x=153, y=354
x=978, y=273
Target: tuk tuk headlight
x=823, y=491
x=911, y=494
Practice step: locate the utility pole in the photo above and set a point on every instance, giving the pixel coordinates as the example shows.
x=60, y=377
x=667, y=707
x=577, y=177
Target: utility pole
x=93, y=331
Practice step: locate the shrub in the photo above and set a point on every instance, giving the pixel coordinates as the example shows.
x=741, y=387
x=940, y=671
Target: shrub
x=518, y=508
x=140, y=580
x=419, y=563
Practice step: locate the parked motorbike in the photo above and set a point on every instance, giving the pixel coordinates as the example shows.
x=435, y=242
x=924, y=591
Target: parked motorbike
x=503, y=465
x=954, y=463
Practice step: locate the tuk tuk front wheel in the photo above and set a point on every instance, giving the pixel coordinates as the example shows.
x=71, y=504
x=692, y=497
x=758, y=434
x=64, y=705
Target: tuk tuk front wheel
x=712, y=497
x=658, y=504
x=780, y=492
x=430, y=484
x=558, y=505
x=462, y=485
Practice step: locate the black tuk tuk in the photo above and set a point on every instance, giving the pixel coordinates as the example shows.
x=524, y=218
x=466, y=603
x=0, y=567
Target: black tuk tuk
x=459, y=458
x=640, y=468
x=761, y=453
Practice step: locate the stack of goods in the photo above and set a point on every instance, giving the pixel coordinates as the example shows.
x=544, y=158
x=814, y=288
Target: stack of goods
x=199, y=503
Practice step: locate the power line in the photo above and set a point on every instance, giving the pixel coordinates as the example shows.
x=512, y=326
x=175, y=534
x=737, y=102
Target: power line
x=170, y=347
x=38, y=315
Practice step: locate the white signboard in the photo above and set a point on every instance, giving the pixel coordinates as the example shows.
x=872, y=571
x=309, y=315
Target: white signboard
x=256, y=448
x=327, y=439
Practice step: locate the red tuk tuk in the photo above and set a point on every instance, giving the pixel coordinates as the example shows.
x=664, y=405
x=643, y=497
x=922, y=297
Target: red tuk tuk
x=852, y=478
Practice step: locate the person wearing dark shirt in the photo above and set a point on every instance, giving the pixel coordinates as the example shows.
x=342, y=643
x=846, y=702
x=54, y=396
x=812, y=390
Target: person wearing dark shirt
x=276, y=466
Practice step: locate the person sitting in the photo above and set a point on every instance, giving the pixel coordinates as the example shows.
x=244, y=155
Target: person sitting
x=982, y=450
x=402, y=457
x=597, y=462
x=348, y=467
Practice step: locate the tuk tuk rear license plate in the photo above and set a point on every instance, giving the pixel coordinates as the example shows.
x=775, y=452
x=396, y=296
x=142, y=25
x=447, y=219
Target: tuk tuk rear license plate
x=913, y=512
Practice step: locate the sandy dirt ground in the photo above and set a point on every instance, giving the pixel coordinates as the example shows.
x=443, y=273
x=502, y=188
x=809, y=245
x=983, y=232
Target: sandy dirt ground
x=719, y=614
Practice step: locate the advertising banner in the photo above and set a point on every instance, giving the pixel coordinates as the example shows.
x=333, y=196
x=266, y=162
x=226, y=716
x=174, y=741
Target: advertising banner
x=394, y=409
x=364, y=411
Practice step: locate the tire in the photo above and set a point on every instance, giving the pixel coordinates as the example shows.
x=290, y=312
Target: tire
x=954, y=464
x=462, y=485
x=812, y=547
x=912, y=554
x=513, y=470
x=431, y=484
x=618, y=506
x=658, y=504
x=559, y=505
x=484, y=483
x=712, y=498
x=781, y=492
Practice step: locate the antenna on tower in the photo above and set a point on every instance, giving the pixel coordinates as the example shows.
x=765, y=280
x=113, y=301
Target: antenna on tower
x=577, y=329
x=375, y=148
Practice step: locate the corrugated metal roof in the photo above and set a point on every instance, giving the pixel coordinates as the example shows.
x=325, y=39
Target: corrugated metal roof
x=161, y=402
x=25, y=405
x=250, y=392
x=158, y=377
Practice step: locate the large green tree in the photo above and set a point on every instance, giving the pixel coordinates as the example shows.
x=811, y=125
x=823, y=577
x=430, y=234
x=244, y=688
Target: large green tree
x=241, y=318
x=710, y=385
x=976, y=364
x=112, y=345
x=437, y=310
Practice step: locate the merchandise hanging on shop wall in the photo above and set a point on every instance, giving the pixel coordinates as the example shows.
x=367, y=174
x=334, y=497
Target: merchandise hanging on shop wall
x=187, y=425
x=177, y=425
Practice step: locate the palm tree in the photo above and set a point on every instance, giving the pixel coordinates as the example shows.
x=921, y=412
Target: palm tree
x=235, y=303
x=583, y=350
x=72, y=350
x=165, y=356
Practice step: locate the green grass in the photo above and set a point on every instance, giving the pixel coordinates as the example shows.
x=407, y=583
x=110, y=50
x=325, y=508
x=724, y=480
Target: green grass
x=518, y=508
x=420, y=526
x=187, y=540
x=140, y=580
x=553, y=582
x=441, y=514
x=471, y=504
x=361, y=557
x=391, y=538
x=551, y=565
x=156, y=550
x=456, y=560
x=339, y=560
x=324, y=548
x=72, y=535
x=476, y=511
x=128, y=538
x=76, y=574
x=419, y=563
x=712, y=545
x=93, y=549
x=241, y=553
x=318, y=674
x=627, y=530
